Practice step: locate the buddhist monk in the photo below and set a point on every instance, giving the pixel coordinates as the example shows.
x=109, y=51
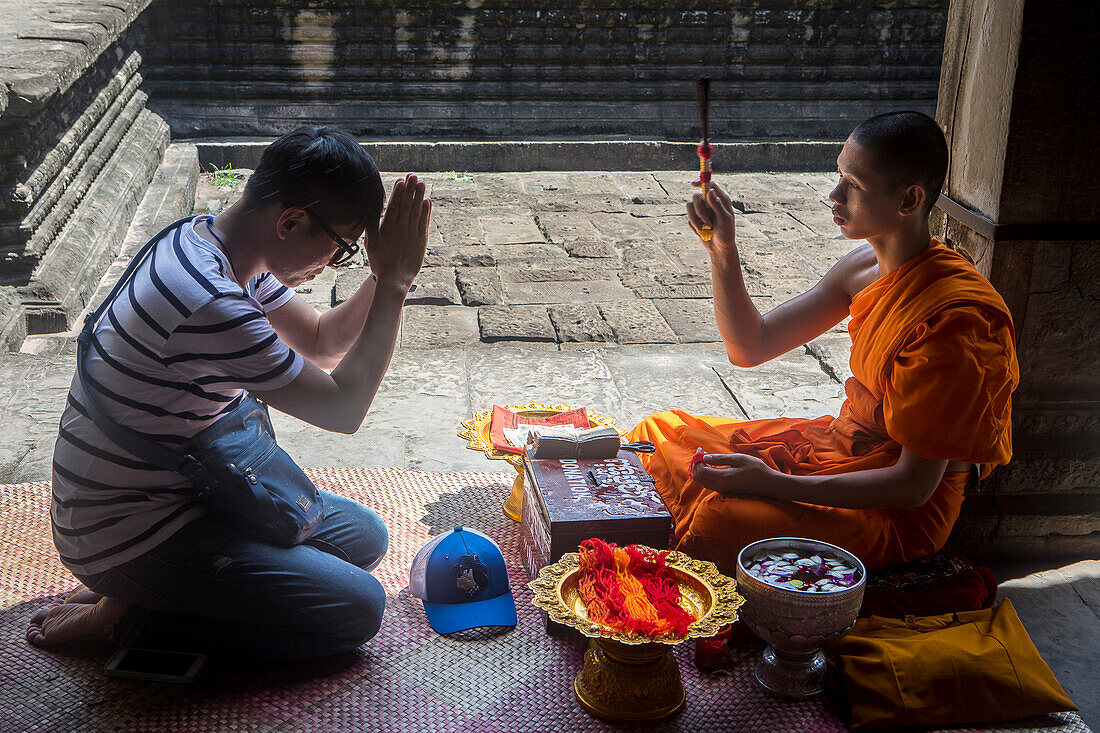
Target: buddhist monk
x=934, y=365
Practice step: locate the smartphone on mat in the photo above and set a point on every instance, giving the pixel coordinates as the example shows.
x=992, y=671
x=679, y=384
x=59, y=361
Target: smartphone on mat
x=155, y=665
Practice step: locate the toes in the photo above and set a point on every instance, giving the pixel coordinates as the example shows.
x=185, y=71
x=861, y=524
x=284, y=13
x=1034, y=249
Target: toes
x=34, y=626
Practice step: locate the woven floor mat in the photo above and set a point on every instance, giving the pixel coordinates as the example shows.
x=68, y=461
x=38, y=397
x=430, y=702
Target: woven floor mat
x=405, y=679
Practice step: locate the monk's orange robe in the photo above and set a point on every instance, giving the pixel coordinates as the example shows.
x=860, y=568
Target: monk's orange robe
x=934, y=365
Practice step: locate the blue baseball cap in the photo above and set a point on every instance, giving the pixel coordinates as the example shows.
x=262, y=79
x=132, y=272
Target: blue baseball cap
x=462, y=579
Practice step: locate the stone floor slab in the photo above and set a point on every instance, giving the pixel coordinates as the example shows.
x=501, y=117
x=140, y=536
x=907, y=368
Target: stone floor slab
x=561, y=227
x=833, y=350
x=529, y=255
x=558, y=270
x=516, y=227
x=456, y=229
x=592, y=248
x=346, y=282
x=435, y=286
x=505, y=374
x=791, y=385
x=637, y=322
x=1065, y=628
x=583, y=291
x=651, y=379
x=691, y=320
x=433, y=327
x=644, y=254
x=312, y=446
x=505, y=189
x=479, y=285
x=580, y=323
x=463, y=255
x=640, y=187
x=619, y=225
x=515, y=323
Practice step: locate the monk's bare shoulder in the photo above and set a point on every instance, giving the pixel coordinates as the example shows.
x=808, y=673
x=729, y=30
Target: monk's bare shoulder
x=854, y=271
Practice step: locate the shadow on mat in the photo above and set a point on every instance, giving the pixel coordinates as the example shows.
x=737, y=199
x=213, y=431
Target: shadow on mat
x=468, y=507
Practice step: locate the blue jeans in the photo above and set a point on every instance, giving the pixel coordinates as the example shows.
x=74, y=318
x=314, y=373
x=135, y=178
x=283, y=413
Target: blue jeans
x=212, y=588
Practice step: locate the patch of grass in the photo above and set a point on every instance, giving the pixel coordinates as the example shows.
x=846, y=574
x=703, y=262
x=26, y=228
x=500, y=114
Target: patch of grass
x=225, y=176
x=462, y=177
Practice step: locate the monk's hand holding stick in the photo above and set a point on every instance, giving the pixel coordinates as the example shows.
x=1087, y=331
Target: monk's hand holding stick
x=733, y=474
x=717, y=213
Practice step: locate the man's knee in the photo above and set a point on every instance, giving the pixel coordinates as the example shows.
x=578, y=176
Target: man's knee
x=361, y=614
x=376, y=540
x=352, y=532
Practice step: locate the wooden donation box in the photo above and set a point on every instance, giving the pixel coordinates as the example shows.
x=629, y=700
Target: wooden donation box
x=568, y=500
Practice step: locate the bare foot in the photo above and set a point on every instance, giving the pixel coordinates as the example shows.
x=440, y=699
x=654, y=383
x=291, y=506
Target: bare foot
x=72, y=622
x=82, y=594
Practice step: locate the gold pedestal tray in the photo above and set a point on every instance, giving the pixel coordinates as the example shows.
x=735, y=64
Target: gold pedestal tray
x=475, y=432
x=634, y=679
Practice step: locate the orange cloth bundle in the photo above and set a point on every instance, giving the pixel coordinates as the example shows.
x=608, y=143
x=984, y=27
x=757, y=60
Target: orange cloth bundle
x=631, y=590
x=971, y=667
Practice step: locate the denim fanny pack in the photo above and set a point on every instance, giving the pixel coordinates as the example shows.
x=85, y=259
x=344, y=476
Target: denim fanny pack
x=237, y=468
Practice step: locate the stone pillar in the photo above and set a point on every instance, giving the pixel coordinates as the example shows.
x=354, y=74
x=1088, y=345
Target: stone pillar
x=1018, y=102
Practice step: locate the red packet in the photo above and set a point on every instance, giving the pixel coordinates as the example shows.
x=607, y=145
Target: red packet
x=507, y=419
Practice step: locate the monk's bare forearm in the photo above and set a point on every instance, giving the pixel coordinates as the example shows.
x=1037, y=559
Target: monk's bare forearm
x=894, y=487
x=739, y=322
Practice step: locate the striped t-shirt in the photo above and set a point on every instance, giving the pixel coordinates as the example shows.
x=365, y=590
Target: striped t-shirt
x=171, y=354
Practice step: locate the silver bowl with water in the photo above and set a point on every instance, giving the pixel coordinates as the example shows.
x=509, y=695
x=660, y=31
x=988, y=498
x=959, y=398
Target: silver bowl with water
x=796, y=624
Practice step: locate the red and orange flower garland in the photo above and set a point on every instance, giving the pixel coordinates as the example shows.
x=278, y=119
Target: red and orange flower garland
x=631, y=590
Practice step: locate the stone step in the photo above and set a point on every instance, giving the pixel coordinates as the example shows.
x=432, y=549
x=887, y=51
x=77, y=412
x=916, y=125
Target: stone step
x=554, y=155
x=170, y=196
x=70, y=187
x=70, y=271
x=57, y=166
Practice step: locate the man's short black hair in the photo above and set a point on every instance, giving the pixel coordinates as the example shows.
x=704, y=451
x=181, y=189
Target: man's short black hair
x=323, y=168
x=907, y=148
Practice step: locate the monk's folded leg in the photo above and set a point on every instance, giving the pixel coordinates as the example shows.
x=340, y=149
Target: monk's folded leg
x=720, y=526
x=676, y=435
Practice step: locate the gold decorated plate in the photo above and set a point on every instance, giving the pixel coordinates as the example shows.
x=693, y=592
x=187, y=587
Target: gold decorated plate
x=476, y=430
x=710, y=596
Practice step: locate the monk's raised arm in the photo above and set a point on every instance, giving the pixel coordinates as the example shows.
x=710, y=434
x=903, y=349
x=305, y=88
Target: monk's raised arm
x=751, y=338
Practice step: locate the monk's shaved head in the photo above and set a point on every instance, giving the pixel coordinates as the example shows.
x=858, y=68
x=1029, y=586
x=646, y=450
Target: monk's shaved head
x=907, y=148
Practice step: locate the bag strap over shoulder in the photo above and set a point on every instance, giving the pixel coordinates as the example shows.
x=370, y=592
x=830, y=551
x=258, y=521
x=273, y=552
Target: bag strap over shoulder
x=124, y=437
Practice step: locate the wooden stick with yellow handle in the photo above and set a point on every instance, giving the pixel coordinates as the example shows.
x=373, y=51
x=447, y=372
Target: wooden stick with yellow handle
x=702, y=93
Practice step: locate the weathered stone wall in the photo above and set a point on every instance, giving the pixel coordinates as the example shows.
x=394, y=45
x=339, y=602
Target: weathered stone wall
x=1018, y=103
x=804, y=70
x=77, y=148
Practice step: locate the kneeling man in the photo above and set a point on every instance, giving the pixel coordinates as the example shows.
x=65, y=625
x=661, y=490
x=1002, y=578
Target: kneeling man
x=210, y=313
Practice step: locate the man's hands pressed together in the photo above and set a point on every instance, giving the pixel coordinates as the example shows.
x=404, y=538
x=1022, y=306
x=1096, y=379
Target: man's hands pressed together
x=339, y=401
x=396, y=251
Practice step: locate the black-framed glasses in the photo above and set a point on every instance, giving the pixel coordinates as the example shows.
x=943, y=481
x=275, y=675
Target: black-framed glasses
x=344, y=250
